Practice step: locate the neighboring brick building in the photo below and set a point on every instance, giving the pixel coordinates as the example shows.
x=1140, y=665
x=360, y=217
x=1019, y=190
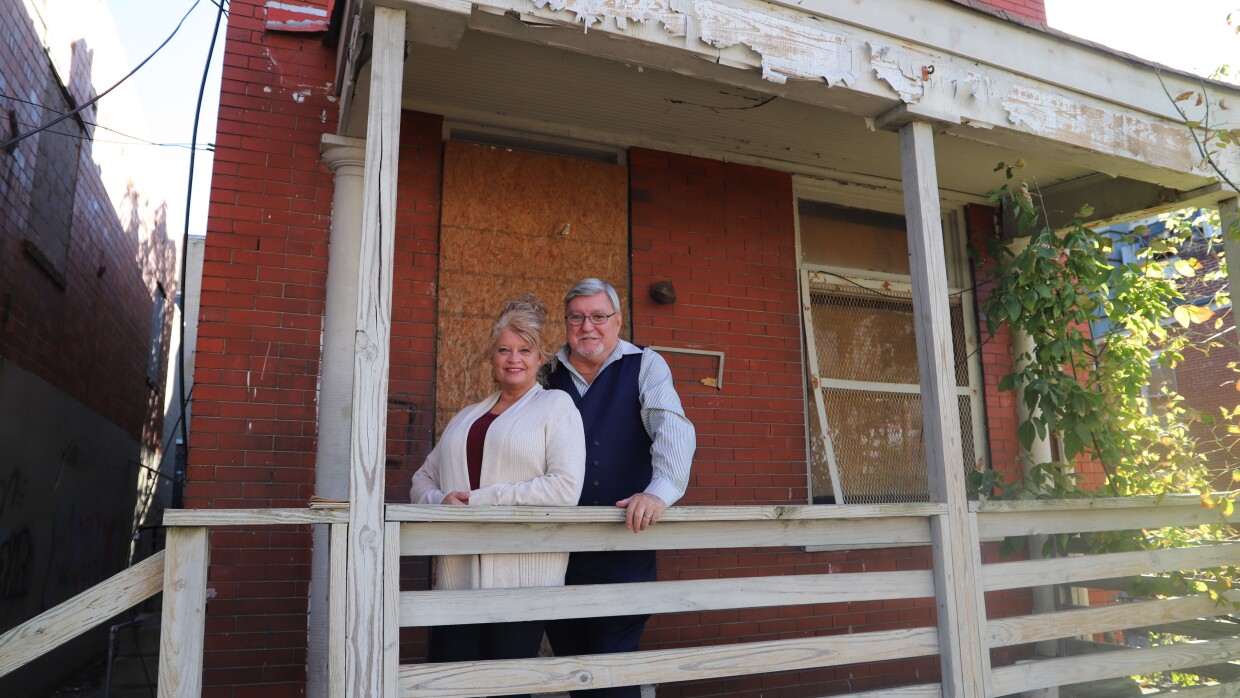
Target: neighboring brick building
x=766, y=211
x=87, y=284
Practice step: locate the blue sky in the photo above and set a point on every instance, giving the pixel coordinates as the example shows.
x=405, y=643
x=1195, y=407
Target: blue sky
x=1188, y=34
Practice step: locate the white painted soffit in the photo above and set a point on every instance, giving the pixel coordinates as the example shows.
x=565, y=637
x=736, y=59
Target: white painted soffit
x=989, y=79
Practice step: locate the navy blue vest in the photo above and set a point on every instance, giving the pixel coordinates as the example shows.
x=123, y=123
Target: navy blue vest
x=617, y=463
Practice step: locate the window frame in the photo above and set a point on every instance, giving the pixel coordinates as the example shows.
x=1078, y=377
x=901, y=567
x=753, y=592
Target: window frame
x=959, y=283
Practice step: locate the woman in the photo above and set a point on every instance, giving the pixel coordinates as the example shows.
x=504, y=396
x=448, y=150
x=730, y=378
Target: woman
x=521, y=445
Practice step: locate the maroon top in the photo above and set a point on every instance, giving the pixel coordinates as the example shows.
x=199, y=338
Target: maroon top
x=473, y=447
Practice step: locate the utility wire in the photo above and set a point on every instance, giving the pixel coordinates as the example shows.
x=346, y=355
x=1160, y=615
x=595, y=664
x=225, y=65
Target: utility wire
x=189, y=194
x=23, y=136
x=136, y=139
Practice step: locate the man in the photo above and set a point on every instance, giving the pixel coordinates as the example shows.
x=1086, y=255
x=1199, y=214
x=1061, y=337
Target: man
x=639, y=447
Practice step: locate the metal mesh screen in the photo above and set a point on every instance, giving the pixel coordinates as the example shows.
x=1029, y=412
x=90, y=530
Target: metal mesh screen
x=875, y=425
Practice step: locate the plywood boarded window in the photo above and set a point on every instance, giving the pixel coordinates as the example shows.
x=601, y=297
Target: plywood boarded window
x=864, y=394
x=515, y=221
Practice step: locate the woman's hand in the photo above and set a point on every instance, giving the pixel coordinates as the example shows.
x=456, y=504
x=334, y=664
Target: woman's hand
x=456, y=498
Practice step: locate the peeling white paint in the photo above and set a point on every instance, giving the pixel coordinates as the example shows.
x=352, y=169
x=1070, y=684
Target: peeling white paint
x=789, y=48
x=900, y=70
x=786, y=47
x=300, y=96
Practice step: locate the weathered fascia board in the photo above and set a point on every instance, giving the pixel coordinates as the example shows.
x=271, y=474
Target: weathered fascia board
x=869, y=72
x=1116, y=200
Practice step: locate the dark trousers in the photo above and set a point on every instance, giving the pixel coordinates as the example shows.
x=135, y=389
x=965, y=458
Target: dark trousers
x=598, y=636
x=463, y=643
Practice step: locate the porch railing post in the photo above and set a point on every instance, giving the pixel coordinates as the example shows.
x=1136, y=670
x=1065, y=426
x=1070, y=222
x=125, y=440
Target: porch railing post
x=963, y=653
x=364, y=664
x=184, y=616
x=1229, y=218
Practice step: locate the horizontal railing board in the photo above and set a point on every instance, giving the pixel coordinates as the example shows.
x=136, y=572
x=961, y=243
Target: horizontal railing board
x=1066, y=570
x=550, y=674
x=1026, y=523
x=424, y=608
x=925, y=690
x=1057, y=672
x=473, y=537
x=1198, y=628
x=1061, y=505
x=440, y=512
x=254, y=517
x=1018, y=630
x=79, y=614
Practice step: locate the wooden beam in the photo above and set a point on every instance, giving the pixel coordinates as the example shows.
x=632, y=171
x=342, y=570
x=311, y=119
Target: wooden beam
x=1059, y=672
x=440, y=512
x=1150, y=517
x=815, y=385
x=659, y=666
x=337, y=609
x=88, y=609
x=391, y=608
x=184, y=620
x=1019, y=630
x=963, y=659
x=1229, y=219
x=456, y=538
x=254, y=517
x=364, y=666
x=428, y=608
x=1071, y=570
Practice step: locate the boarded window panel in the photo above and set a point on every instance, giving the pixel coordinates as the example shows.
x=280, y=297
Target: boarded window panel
x=515, y=221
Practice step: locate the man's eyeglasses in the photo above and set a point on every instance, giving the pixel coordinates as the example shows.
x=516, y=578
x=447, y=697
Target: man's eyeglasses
x=576, y=319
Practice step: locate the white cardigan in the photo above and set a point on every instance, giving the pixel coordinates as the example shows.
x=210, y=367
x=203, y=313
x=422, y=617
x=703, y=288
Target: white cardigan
x=534, y=454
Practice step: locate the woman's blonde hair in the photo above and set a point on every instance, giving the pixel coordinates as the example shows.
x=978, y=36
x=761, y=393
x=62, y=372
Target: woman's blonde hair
x=525, y=316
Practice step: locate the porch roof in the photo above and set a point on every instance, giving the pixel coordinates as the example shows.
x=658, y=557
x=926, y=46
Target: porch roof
x=811, y=87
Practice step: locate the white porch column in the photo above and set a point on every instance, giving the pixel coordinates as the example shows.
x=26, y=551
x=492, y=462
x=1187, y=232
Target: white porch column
x=347, y=157
x=1038, y=452
x=964, y=656
x=365, y=666
x=1229, y=218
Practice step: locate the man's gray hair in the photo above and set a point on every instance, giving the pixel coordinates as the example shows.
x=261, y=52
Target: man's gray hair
x=591, y=287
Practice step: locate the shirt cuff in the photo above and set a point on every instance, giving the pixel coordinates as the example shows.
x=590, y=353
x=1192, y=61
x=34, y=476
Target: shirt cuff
x=665, y=491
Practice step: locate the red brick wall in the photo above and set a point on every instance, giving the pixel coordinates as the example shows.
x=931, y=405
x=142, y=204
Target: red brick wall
x=723, y=235
x=253, y=437
x=1031, y=9
x=90, y=338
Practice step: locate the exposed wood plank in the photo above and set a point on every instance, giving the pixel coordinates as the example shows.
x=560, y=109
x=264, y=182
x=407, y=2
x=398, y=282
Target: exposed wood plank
x=956, y=580
x=1229, y=221
x=659, y=666
x=1025, y=523
x=1199, y=628
x=926, y=690
x=1058, y=672
x=440, y=512
x=337, y=609
x=815, y=384
x=449, y=538
x=391, y=607
x=507, y=605
x=71, y=618
x=184, y=621
x=995, y=506
x=1064, y=570
x=364, y=665
x=1019, y=630
x=254, y=517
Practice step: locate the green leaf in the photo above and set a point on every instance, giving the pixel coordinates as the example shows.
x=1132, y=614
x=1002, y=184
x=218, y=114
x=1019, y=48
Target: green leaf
x=1026, y=433
x=1184, y=268
x=1182, y=316
x=1013, y=308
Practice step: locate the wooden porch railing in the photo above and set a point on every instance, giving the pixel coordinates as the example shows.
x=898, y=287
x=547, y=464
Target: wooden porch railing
x=427, y=530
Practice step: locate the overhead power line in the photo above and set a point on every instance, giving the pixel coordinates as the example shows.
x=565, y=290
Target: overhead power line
x=23, y=136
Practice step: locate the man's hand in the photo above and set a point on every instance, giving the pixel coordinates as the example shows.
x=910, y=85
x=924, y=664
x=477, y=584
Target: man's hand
x=641, y=511
x=456, y=498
